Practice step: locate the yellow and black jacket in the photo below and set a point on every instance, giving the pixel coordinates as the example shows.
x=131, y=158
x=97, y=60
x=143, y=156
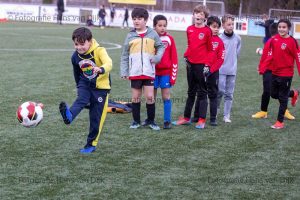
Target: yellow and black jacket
x=83, y=67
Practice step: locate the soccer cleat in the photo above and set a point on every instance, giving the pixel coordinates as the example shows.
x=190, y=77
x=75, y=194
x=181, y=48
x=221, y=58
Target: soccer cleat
x=154, y=126
x=227, y=119
x=167, y=125
x=213, y=122
x=65, y=112
x=182, y=121
x=278, y=125
x=260, y=114
x=288, y=115
x=201, y=123
x=88, y=150
x=295, y=98
x=135, y=125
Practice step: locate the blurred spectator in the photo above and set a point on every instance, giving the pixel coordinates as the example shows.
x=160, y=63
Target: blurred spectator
x=89, y=21
x=60, y=9
x=112, y=13
x=126, y=16
x=102, y=14
x=266, y=24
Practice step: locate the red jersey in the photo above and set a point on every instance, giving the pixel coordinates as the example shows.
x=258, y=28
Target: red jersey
x=169, y=62
x=263, y=66
x=284, y=51
x=199, y=45
x=218, y=54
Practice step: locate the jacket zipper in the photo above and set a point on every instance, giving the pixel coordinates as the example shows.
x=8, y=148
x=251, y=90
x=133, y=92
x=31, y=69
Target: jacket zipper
x=142, y=56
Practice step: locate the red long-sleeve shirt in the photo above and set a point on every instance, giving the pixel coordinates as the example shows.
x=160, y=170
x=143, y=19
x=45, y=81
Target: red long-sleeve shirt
x=263, y=66
x=169, y=62
x=284, y=52
x=218, y=54
x=199, y=45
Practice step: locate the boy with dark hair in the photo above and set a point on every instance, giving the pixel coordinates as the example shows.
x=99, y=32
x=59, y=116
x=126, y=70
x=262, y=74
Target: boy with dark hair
x=284, y=52
x=166, y=70
x=212, y=81
x=141, y=51
x=91, y=67
x=266, y=72
x=198, y=59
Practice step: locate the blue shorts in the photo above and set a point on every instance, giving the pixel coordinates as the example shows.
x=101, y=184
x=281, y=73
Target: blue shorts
x=162, y=82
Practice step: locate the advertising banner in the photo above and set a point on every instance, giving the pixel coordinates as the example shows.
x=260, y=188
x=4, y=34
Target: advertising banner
x=140, y=2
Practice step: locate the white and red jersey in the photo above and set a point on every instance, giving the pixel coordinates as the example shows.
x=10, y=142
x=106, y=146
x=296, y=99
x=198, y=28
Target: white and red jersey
x=199, y=45
x=284, y=52
x=218, y=54
x=169, y=62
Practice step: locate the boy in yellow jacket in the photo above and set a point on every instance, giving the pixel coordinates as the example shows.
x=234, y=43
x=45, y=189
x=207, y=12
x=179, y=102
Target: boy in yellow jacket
x=91, y=67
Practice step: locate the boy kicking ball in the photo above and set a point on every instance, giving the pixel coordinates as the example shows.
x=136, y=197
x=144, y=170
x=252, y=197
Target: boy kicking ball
x=91, y=67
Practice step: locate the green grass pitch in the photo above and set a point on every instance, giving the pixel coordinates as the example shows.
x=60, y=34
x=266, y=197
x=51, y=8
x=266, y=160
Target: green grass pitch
x=242, y=160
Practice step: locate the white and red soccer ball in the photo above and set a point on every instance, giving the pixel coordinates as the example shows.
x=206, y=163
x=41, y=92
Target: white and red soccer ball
x=259, y=51
x=30, y=114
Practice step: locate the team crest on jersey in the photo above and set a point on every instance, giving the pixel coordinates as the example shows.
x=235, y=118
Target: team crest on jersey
x=283, y=46
x=166, y=44
x=87, y=68
x=215, y=45
x=201, y=36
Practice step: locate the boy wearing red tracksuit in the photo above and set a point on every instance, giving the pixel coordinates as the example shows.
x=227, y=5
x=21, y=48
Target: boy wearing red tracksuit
x=198, y=59
x=284, y=51
x=213, y=75
x=166, y=70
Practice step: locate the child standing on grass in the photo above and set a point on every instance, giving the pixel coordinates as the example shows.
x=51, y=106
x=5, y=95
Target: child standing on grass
x=166, y=70
x=228, y=71
x=213, y=75
x=198, y=59
x=91, y=67
x=266, y=72
x=284, y=52
x=141, y=51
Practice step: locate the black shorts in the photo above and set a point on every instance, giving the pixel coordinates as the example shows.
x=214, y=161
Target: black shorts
x=138, y=84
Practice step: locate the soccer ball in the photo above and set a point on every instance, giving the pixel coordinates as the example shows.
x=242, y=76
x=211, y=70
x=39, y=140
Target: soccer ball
x=30, y=114
x=259, y=51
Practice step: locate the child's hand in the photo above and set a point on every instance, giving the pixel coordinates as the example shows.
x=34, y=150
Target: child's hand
x=98, y=70
x=206, y=71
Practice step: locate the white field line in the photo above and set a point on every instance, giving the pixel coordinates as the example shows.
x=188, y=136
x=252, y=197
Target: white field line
x=113, y=45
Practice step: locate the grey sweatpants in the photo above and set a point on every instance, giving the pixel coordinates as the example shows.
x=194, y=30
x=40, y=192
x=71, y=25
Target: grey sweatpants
x=226, y=89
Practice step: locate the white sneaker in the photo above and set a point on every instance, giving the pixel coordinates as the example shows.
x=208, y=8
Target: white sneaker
x=227, y=119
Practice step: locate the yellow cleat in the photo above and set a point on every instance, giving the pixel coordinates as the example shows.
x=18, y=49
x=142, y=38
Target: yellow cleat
x=288, y=115
x=260, y=114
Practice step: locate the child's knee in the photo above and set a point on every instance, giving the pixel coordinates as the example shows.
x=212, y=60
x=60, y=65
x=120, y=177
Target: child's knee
x=228, y=97
x=149, y=99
